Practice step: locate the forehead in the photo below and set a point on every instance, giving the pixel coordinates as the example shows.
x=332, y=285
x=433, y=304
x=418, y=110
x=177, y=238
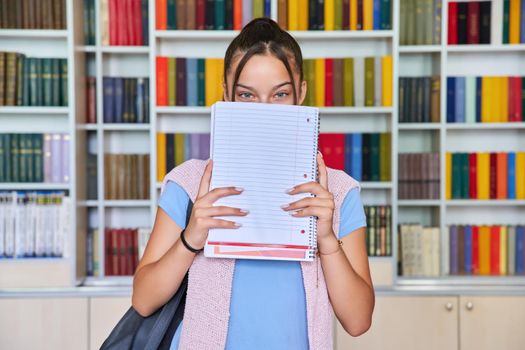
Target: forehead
x=265, y=66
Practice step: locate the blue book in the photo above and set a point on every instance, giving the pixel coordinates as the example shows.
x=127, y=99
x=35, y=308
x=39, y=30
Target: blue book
x=468, y=249
x=108, y=88
x=201, y=82
x=356, y=170
x=187, y=147
x=348, y=153
x=453, y=244
x=460, y=100
x=219, y=15
x=191, y=82
x=520, y=246
x=451, y=94
x=377, y=14
x=139, y=100
x=511, y=175
x=268, y=8
x=145, y=22
x=522, y=22
x=478, y=99
x=119, y=100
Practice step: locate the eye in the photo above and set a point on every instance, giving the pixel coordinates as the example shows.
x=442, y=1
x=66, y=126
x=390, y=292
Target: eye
x=245, y=95
x=282, y=94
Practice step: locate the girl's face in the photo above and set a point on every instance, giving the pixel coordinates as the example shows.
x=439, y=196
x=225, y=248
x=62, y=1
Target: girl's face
x=264, y=79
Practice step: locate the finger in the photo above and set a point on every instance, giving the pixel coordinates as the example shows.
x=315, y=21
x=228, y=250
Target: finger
x=204, y=186
x=313, y=187
x=220, y=223
x=309, y=201
x=320, y=212
x=220, y=211
x=219, y=192
x=322, y=171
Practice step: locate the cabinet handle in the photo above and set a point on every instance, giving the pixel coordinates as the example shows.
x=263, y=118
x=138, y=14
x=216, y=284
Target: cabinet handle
x=449, y=306
x=469, y=305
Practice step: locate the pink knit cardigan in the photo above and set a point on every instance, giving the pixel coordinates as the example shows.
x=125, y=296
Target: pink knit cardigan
x=207, y=310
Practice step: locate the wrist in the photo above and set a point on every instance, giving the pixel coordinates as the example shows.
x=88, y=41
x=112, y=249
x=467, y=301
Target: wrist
x=328, y=245
x=190, y=243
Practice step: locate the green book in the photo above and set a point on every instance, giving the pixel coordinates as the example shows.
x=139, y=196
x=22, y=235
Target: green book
x=456, y=175
x=374, y=157
x=179, y=148
x=309, y=65
x=29, y=158
x=55, y=82
x=171, y=81
x=172, y=15
x=420, y=19
x=47, y=84
x=7, y=158
x=385, y=22
x=38, y=163
x=10, y=79
x=23, y=150
x=369, y=81
x=506, y=7
x=201, y=82
x=20, y=79
x=258, y=8
x=464, y=176
x=384, y=154
x=26, y=101
x=63, y=82
x=15, y=161
x=428, y=22
x=348, y=81
x=338, y=15
x=470, y=99
x=3, y=177
x=219, y=13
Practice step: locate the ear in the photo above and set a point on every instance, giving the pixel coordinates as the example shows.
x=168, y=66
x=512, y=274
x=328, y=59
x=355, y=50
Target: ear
x=302, y=94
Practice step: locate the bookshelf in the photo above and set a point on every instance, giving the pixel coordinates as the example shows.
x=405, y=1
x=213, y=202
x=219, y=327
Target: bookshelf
x=100, y=60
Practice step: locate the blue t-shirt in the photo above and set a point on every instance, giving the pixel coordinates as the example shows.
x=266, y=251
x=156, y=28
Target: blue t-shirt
x=268, y=303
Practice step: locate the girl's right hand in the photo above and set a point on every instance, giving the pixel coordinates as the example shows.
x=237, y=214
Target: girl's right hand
x=203, y=212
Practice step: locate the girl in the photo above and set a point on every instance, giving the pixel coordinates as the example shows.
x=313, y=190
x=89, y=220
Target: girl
x=256, y=304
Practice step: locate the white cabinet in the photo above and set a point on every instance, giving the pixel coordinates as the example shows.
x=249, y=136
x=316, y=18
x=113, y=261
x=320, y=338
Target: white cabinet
x=105, y=312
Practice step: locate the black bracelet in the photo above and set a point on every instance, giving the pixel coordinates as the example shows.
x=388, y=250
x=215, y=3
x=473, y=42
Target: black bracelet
x=190, y=248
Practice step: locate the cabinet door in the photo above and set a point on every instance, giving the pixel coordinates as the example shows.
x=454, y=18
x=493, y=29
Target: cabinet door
x=492, y=322
x=406, y=323
x=44, y=323
x=105, y=312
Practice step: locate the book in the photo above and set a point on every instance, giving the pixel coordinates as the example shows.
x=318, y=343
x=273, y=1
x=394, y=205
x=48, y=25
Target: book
x=245, y=136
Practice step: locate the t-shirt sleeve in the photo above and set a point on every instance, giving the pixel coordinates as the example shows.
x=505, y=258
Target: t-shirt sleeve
x=174, y=201
x=352, y=214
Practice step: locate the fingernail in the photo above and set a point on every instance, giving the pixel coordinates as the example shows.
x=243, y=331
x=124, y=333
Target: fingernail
x=244, y=211
x=290, y=190
x=240, y=189
x=285, y=206
x=237, y=224
x=320, y=153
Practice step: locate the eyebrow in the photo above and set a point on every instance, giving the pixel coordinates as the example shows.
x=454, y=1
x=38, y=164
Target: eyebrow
x=275, y=87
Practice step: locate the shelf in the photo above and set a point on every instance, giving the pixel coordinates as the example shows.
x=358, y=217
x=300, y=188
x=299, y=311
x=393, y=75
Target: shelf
x=112, y=281
x=133, y=203
x=322, y=110
x=419, y=126
x=376, y=185
x=300, y=35
x=90, y=203
x=33, y=33
x=33, y=110
x=87, y=48
x=27, y=260
x=418, y=202
x=125, y=49
x=478, y=202
x=87, y=127
x=464, y=280
x=490, y=126
x=485, y=48
x=415, y=49
x=32, y=186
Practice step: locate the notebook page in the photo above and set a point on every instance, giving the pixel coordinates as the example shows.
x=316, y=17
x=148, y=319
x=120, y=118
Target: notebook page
x=266, y=149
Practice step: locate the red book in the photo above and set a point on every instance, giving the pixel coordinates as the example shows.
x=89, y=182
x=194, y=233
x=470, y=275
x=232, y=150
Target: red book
x=113, y=27
x=137, y=20
x=129, y=252
x=108, y=253
x=91, y=100
x=135, y=246
x=516, y=100
x=493, y=175
x=452, y=23
x=501, y=185
x=200, y=15
x=329, y=82
x=237, y=14
x=510, y=102
x=332, y=147
x=494, y=250
x=115, y=252
x=475, y=250
x=473, y=23
x=473, y=180
x=123, y=14
x=161, y=9
x=162, y=80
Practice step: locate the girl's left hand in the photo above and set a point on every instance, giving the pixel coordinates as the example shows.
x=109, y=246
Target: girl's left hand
x=321, y=206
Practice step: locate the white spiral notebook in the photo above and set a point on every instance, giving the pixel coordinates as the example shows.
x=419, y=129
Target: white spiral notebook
x=265, y=149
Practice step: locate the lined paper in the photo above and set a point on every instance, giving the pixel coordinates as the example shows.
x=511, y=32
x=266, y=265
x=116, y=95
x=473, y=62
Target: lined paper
x=266, y=149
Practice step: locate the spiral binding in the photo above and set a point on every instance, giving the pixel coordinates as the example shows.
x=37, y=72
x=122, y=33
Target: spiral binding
x=313, y=227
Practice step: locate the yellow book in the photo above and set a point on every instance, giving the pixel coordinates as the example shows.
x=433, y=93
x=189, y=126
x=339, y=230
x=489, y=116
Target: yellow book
x=514, y=21
x=161, y=156
x=179, y=148
x=353, y=14
x=448, y=175
x=485, y=99
x=172, y=81
x=495, y=103
x=484, y=250
x=329, y=14
x=386, y=81
x=303, y=14
x=368, y=17
x=520, y=175
x=293, y=15
x=210, y=80
x=483, y=175
x=503, y=250
x=220, y=80
x=319, y=82
x=504, y=100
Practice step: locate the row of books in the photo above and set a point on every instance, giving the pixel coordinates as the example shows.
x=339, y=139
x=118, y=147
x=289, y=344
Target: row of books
x=488, y=99
x=34, y=224
x=469, y=22
x=122, y=22
x=29, y=81
x=419, y=176
x=365, y=156
x=420, y=22
x=123, y=248
x=335, y=15
x=210, y=14
x=420, y=251
x=33, y=14
x=351, y=81
x=483, y=175
x=513, y=21
x=34, y=158
x=174, y=149
x=125, y=100
x=379, y=230
x=126, y=176
x=486, y=250
x=419, y=99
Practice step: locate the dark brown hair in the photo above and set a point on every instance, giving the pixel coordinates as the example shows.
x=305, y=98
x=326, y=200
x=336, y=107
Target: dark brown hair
x=263, y=36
